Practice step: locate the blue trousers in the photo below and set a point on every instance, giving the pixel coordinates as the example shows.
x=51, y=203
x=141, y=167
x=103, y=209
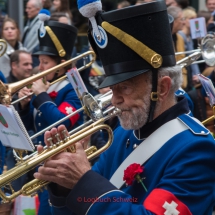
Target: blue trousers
x=44, y=208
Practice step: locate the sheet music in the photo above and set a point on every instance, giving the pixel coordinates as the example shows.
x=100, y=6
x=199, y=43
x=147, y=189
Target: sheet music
x=12, y=130
x=209, y=88
x=77, y=82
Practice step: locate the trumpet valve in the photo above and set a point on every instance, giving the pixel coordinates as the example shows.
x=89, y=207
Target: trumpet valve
x=72, y=148
x=65, y=136
x=51, y=144
x=59, y=141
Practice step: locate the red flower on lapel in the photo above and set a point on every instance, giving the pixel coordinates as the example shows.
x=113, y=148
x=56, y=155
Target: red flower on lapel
x=53, y=94
x=132, y=172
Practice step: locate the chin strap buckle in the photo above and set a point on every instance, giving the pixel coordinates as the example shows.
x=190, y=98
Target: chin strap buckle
x=154, y=96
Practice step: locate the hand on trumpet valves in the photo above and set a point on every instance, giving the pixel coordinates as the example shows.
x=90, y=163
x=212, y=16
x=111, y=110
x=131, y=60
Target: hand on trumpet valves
x=25, y=92
x=65, y=168
x=40, y=86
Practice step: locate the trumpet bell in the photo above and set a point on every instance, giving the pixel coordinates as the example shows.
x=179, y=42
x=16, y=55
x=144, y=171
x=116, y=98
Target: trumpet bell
x=95, y=107
x=92, y=107
x=208, y=49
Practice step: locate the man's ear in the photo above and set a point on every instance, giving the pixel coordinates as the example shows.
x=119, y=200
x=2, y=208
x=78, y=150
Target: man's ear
x=164, y=85
x=13, y=65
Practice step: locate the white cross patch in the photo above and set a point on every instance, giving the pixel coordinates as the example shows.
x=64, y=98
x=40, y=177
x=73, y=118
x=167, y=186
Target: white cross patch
x=69, y=110
x=171, y=208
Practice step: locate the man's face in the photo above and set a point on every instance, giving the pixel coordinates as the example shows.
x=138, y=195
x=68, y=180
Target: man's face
x=133, y=98
x=210, y=5
x=31, y=10
x=22, y=69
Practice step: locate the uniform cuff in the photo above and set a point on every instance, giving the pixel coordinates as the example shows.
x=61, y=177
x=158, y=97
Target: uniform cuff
x=40, y=99
x=56, y=199
x=89, y=188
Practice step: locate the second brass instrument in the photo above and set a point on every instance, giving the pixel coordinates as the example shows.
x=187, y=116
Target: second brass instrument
x=35, y=185
x=7, y=90
x=25, y=166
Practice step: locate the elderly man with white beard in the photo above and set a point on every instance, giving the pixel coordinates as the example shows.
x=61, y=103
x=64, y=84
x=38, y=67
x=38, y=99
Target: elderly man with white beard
x=161, y=160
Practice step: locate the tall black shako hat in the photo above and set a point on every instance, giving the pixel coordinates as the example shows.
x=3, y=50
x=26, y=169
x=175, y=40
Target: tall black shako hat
x=56, y=39
x=131, y=41
x=138, y=39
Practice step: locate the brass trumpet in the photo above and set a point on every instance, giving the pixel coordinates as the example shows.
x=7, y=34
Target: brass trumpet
x=35, y=185
x=7, y=90
x=95, y=108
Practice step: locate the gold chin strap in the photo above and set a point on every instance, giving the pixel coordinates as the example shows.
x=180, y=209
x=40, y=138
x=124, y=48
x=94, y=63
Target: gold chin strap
x=154, y=59
x=56, y=42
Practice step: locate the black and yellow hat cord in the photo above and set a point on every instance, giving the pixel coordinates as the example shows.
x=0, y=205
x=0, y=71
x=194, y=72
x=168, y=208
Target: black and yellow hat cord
x=56, y=42
x=58, y=46
x=154, y=59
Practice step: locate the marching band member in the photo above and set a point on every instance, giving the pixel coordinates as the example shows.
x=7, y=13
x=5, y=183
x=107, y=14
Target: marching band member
x=51, y=103
x=164, y=156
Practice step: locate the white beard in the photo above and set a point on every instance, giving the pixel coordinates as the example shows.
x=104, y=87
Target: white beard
x=135, y=118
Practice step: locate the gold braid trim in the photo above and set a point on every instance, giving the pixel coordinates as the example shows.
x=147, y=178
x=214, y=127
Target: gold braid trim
x=154, y=59
x=56, y=42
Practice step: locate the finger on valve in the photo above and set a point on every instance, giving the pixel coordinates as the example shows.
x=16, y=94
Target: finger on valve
x=49, y=137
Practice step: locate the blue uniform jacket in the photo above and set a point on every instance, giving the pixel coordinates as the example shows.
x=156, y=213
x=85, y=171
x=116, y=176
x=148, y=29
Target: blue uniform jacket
x=179, y=177
x=48, y=108
x=181, y=92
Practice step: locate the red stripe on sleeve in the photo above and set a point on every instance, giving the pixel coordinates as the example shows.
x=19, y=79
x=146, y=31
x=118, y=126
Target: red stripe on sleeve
x=67, y=109
x=162, y=202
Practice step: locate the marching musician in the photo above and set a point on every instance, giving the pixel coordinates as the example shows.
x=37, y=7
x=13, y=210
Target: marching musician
x=51, y=103
x=161, y=160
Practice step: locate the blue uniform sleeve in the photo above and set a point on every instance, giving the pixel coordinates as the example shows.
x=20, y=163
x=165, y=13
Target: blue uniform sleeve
x=187, y=180
x=52, y=113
